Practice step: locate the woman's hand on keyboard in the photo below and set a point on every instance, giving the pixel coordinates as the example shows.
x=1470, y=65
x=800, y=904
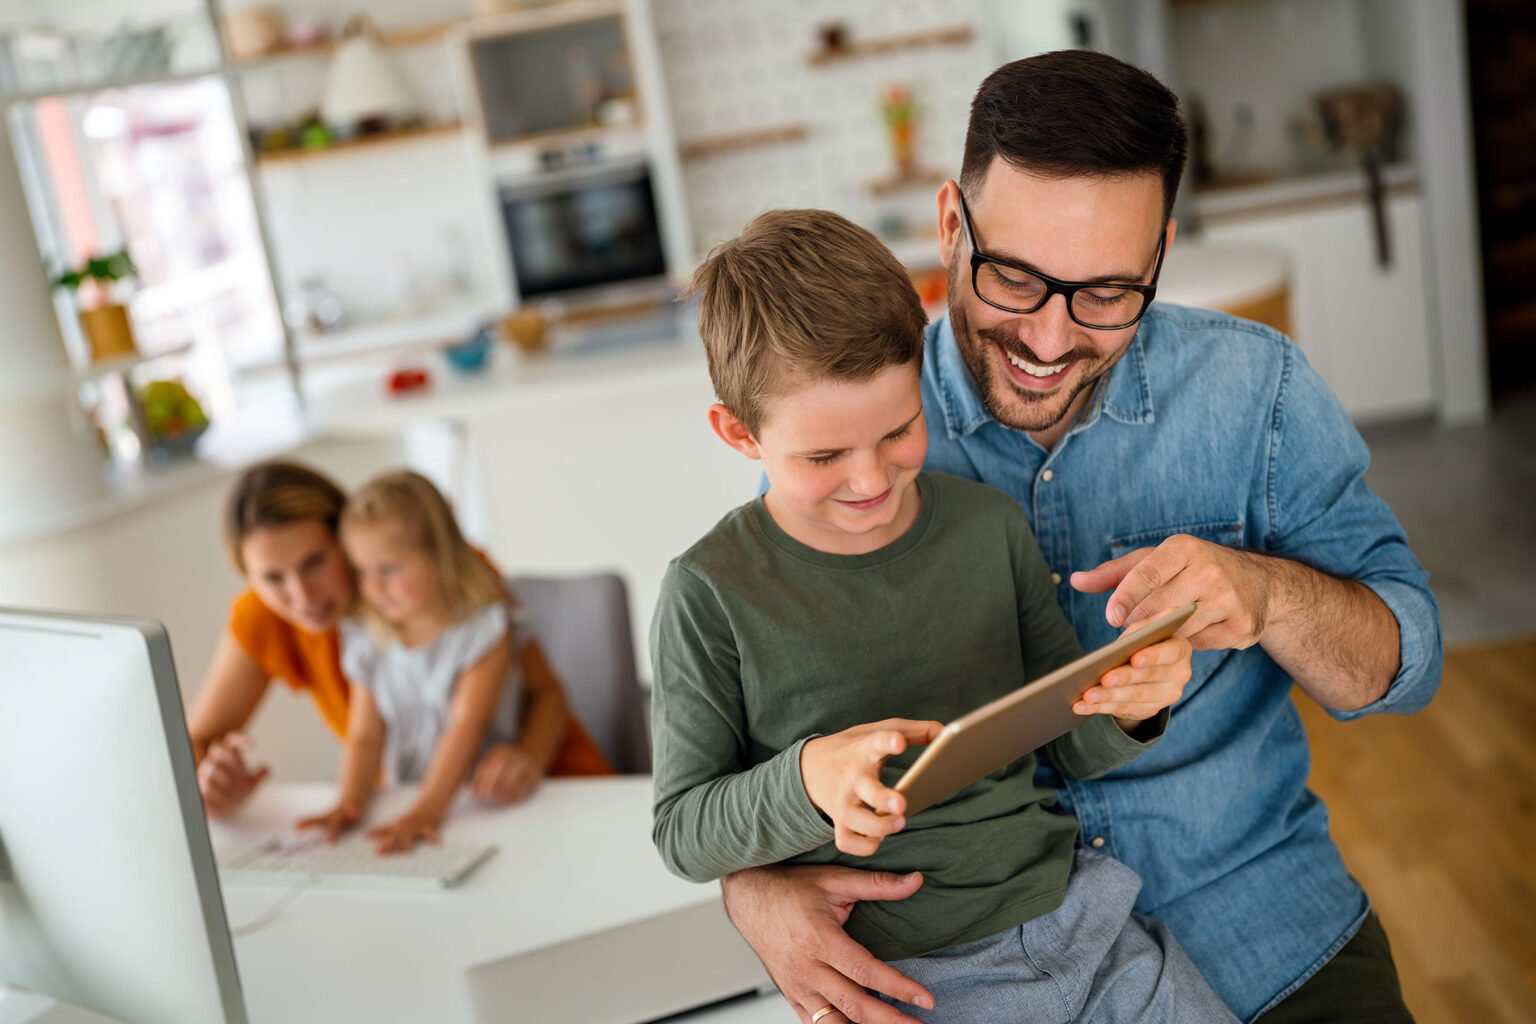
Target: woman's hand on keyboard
x=335, y=821
x=400, y=835
x=505, y=775
x=223, y=775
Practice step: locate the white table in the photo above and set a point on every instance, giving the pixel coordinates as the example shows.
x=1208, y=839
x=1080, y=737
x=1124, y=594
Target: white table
x=574, y=859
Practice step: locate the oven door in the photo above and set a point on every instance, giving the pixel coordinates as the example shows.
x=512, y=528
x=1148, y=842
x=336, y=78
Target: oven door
x=583, y=231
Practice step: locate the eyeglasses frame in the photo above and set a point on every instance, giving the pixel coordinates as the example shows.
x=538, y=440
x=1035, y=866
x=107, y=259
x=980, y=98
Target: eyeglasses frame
x=1054, y=286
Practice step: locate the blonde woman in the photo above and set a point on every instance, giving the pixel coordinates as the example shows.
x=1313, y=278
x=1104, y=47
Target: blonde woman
x=280, y=530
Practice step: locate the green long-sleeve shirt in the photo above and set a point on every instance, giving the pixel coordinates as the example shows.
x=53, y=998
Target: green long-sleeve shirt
x=760, y=643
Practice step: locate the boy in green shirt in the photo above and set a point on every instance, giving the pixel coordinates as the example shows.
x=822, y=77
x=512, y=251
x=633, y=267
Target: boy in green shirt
x=794, y=643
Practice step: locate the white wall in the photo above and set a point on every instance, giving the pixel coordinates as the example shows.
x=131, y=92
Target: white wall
x=368, y=222
x=627, y=485
x=1271, y=57
x=733, y=67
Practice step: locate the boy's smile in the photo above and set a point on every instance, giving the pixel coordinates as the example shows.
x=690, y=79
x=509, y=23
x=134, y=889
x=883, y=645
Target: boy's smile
x=841, y=457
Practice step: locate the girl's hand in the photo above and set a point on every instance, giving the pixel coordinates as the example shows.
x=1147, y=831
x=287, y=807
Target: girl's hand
x=400, y=835
x=841, y=774
x=1133, y=693
x=505, y=775
x=335, y=821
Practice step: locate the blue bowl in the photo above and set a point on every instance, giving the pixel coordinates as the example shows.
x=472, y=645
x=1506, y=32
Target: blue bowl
x=470, y=355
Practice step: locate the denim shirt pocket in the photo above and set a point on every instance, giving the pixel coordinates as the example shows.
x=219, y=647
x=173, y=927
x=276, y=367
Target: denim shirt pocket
x=1227, y=533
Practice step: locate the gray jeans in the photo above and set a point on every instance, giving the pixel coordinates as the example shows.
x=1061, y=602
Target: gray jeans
x=1091, y=960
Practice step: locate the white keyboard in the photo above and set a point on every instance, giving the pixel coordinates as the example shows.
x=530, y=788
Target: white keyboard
x=351, y=863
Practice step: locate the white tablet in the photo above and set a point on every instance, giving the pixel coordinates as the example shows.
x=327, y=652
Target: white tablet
x=979, y=743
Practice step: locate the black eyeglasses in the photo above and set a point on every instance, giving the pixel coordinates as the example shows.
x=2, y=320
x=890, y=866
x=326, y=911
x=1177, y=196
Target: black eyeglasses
x=1015, y=289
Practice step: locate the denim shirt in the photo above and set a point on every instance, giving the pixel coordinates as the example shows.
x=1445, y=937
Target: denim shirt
x=1218, y=428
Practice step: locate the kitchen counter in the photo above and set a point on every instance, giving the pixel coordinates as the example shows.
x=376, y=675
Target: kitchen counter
x=1225, y=276
x=1263, y=197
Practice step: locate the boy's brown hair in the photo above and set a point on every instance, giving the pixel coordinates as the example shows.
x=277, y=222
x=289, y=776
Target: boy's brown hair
x=802, y=296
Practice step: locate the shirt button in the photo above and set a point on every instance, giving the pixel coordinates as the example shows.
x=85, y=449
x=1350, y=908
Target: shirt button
x=1097, y=842
x=1056, y=578
x=1046, y=476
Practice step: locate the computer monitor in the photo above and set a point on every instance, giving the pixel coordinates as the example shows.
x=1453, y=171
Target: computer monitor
x=109, y=897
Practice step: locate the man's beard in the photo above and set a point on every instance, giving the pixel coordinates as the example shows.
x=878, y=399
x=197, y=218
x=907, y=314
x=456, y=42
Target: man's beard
x=1040, y=411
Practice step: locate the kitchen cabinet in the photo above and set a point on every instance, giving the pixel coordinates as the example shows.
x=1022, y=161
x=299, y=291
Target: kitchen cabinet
x=1365, y=328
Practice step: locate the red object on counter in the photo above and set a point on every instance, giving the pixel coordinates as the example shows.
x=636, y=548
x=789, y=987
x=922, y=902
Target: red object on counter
x=404, y=381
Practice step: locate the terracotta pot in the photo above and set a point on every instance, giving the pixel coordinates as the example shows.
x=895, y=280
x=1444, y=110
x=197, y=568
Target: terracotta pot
x=252, y=32
x=108, y=331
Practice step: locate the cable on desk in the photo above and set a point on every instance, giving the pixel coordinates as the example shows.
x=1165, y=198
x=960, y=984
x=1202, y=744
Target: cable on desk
x=282, y=903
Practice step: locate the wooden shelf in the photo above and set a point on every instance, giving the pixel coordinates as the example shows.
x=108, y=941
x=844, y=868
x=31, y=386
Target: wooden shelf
x=397, y=39
x=955, y=35
x=920, y=178
x=565, y=138
x=122, y=364
x=355, y=145
x=714, y=145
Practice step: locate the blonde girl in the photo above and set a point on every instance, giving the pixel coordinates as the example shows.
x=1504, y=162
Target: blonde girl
x=431, y=649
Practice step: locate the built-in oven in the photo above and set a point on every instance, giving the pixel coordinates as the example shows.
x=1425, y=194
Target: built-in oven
x=583, y=230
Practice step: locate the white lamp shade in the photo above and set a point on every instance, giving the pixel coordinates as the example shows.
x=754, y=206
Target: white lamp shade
x=361, y=84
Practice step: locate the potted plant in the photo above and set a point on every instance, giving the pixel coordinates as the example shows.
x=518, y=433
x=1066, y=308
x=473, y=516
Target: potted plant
x=173, y=418
x=103, y=319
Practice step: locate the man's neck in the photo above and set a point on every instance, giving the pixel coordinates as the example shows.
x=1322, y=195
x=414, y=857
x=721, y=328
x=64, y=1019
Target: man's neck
x=1051, y=435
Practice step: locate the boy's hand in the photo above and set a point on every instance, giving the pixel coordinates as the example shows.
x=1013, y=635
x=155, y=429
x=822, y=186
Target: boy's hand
x=841, y=774
x=1133, y=693
x=333, y=822
x=400, y=835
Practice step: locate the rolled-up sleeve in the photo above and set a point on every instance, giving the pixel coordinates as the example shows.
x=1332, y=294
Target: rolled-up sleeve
x=1322, y=513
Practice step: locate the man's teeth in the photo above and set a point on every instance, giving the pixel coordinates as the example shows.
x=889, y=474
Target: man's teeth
x=1033, y=369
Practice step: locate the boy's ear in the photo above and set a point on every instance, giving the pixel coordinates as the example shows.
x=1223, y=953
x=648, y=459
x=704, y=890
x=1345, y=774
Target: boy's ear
x=732, y=431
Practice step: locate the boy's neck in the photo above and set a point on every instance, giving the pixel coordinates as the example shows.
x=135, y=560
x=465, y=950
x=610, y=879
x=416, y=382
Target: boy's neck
x=836, y=542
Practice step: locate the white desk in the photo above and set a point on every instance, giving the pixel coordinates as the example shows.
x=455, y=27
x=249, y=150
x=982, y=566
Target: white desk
x=574, y=859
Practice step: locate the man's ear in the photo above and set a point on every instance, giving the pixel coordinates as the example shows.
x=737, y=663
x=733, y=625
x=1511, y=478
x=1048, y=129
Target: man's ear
x=733, y=432
x=1173, y=227
x=949, y=221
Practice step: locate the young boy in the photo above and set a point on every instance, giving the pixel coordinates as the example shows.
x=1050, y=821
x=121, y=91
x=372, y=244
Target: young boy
x=816, y=633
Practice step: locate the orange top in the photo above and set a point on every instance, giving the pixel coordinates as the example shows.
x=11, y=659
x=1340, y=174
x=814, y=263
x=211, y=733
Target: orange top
x=304, y=660
x=312, y=661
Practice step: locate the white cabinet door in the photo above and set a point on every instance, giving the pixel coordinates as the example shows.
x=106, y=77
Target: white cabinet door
x=1364, y=328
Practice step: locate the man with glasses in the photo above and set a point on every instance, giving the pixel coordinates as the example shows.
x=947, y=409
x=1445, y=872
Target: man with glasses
x=1164, y=455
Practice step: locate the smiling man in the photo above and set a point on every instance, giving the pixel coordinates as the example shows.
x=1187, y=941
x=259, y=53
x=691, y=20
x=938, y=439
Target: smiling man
x=1163, y=455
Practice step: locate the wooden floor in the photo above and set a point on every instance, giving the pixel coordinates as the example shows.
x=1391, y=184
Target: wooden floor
x=1436, y=815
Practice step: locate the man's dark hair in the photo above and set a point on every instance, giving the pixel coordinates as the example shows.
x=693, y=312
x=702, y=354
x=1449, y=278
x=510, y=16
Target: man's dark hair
x=1075, y=112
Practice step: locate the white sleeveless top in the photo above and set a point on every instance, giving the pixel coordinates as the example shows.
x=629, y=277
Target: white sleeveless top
x=413, y=686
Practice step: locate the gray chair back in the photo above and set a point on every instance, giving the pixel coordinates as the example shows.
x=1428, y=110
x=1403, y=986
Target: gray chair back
x=583, y=624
